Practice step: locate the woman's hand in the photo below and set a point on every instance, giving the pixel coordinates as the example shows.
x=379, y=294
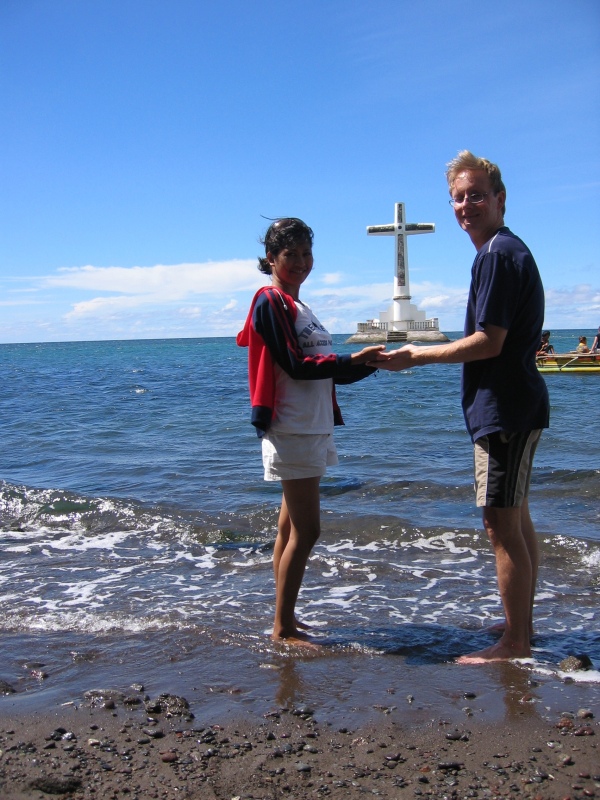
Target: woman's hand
x=367, y=354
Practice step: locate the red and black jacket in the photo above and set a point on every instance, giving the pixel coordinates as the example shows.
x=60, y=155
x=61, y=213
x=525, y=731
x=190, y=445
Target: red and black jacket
x=271, y=337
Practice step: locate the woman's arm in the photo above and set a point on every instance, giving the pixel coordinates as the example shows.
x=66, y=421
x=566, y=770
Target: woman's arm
x=274, y=321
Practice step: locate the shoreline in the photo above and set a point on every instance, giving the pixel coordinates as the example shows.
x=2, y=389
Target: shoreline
x=112, y=746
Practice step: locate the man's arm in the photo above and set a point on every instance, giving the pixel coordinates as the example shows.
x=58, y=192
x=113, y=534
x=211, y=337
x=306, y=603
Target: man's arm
x=479, y=345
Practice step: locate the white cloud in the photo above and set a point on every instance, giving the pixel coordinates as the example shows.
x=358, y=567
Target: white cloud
x=344, y=306
x=331, y=278
x=106, y=306
x=27, y=302
x=192, y=312
x=175, y=279
x=368, y=293
x=212, y=299
x=132, y=287
x=577, y=304
x=439, y=298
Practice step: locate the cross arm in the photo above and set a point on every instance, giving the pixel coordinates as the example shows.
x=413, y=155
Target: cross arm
x=381, y=230
x=420, y=227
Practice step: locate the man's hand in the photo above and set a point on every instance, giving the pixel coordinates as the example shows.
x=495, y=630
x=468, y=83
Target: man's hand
x=487, y=343
x=397, y=360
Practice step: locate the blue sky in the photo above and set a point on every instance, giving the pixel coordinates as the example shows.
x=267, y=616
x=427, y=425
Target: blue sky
x=143, y=141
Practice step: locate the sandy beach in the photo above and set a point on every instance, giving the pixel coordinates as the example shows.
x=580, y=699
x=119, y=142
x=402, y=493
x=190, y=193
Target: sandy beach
x=115, y=744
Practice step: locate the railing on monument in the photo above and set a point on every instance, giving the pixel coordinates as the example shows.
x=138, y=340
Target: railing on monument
x=375, y=325
x=371, y=325
x=428, y=325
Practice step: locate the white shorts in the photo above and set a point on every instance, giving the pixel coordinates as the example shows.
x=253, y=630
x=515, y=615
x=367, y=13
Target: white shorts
x=287, y=456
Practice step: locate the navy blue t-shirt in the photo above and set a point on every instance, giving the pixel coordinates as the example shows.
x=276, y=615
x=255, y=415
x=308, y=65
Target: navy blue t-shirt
x=505, y=393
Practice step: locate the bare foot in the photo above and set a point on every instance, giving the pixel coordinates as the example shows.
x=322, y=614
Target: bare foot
x=297, y=639
x=501, y=651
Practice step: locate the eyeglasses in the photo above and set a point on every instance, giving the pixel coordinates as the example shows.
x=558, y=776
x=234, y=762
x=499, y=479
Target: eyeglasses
x=475, y=198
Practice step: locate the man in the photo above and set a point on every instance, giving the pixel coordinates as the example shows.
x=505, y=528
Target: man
x=545, y=348
x=504, y=398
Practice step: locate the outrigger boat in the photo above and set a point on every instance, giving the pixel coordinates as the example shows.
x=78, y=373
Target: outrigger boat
x=569, y=362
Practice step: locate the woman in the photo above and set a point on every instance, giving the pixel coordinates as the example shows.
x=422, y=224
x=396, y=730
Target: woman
x=292, y=372
x=582, y=347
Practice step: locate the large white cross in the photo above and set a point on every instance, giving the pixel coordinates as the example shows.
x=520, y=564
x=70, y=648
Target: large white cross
x=400, y=230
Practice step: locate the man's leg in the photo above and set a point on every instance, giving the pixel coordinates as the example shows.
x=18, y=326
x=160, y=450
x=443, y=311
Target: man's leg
x=515, y=581
x=532, y=545
x=503, y=465
x=533, y=549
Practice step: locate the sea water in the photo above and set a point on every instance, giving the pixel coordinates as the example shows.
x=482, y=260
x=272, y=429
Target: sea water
x=137, y=532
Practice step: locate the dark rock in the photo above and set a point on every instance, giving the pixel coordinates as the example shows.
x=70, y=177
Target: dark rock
x=39, y=674
x=6, y=688
x=153, y=733
x=303, y=711
x=574, y=663
x=586, y=730
x=104, y=698
x=132, y=700
x=57, y=735
x=171, y=705
x=55, y=784
x=585, y=713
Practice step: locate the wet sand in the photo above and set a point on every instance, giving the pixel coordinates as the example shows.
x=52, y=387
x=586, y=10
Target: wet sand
x=130, y=743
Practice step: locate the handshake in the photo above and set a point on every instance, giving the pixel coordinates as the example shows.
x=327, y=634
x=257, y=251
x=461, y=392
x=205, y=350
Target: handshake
x=392, y=360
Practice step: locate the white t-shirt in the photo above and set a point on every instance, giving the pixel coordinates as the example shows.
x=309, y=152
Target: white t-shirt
x=305, y=406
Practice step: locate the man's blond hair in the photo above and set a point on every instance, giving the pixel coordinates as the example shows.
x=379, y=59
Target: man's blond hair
x=465, y=160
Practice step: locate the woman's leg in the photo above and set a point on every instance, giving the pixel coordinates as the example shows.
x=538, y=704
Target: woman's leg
x=283, y=535
x=298, y=529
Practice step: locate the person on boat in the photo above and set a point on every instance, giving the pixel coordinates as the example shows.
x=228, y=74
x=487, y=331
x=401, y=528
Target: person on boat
x=292, y=370
x=596, y=343
x=504, y=397
x=545, y=348
x=582, y=347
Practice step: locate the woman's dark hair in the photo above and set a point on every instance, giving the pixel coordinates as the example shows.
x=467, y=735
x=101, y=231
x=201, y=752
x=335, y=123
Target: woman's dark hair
x=283, y=233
